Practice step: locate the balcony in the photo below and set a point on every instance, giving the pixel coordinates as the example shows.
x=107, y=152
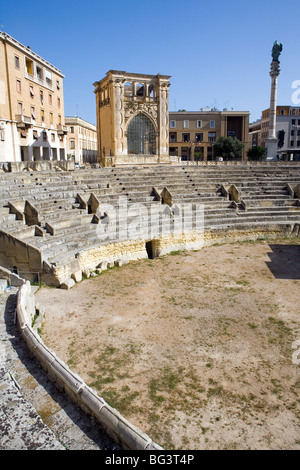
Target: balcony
x=39, y=80
x=62, y=130
x=23, y=122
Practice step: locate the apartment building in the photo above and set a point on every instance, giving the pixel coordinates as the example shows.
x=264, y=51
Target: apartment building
x=255, y=134
x=81, y=140
x=287, y=131
x=192, y=134
x=31, y=105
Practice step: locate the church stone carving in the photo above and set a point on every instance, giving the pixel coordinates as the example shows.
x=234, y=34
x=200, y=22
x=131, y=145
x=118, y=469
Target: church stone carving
x=136, y=102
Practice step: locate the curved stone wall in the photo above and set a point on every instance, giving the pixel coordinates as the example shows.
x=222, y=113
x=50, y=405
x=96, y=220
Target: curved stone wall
x=129, y=436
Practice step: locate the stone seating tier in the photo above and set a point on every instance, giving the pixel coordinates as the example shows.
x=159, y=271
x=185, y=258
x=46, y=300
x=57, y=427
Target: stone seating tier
x=65, y=228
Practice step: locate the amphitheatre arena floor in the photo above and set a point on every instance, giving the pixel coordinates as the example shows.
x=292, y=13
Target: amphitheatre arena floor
x=194, y=348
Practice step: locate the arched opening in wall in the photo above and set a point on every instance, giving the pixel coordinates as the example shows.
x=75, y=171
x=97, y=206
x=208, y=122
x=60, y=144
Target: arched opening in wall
x=151, y=93
x=150, y=249
x=128, y=90
x=141, y=136
x=140, y=89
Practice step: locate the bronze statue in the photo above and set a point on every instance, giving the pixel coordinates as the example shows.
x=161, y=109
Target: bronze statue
x=277, y=48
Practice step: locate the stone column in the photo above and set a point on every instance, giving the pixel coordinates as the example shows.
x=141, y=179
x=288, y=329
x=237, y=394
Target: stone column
x=272, y=139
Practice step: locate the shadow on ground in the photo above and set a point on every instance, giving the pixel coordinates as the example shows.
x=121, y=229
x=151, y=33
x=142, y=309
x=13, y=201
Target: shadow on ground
x=284, y=261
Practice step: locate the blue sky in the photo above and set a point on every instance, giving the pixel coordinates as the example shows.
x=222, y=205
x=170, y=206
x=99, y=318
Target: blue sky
x=217, y=53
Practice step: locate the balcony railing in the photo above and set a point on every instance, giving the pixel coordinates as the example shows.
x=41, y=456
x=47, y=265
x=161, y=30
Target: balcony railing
x=23, y=121
x=62, y=129
x=45, y=83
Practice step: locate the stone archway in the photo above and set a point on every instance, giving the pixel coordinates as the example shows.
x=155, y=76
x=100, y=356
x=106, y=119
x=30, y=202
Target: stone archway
x=141, y=136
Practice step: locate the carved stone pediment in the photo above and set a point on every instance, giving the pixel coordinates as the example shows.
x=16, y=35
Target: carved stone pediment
x=132, y=108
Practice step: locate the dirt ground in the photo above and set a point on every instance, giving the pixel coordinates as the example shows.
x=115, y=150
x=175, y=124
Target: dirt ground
x=194, y=348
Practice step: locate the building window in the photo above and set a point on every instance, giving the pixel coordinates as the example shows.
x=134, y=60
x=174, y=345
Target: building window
x=52, y=137
x=172, y=124
x=72, y=144
x=298, y=143
x=185, y=124
x=141, y=136
x=212, y=124
x=50, y=98
x=33, y=112
x=199, y=124
x=42, y=115
x=292, y=143
x=58, y=102
x=39, y=72
x=185, y=137
x=173, y=136
x=292, y=132
x=48, y=78
x=17, y=62
x=57, y=84
x=44, y=136
x=20, y=107
x=19, y=86
x=71, y=130
x=199, y=137
x=211, y=136
x=29, y=66
x=51, y=118
x=293, y=122
x=59, y=119
x=41, y=97
x=31, y=91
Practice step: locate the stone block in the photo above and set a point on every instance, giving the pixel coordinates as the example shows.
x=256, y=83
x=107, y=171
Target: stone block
x=86, y=272
x=103, y=265
x=77, y=276
x=68, y=284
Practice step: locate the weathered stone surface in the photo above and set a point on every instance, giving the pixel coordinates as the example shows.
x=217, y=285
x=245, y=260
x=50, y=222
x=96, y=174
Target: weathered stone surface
x=25, y=388
x=77, y=276
x=3, y=285
x=68, y=284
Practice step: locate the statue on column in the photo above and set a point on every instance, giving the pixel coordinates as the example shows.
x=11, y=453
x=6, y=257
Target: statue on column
x=276, y=50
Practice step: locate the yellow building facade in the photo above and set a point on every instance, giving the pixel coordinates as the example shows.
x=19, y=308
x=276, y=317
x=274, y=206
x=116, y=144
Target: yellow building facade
x=192, y=134
x=81, y=140
x=132, y=118
x=32, y=123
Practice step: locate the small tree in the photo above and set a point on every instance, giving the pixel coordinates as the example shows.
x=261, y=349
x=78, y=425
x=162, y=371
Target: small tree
x=257, y=153
x=228, y=148
x=198, y=156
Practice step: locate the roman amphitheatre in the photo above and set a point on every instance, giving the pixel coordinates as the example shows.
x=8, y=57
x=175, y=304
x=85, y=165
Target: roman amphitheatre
x=190, y=336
